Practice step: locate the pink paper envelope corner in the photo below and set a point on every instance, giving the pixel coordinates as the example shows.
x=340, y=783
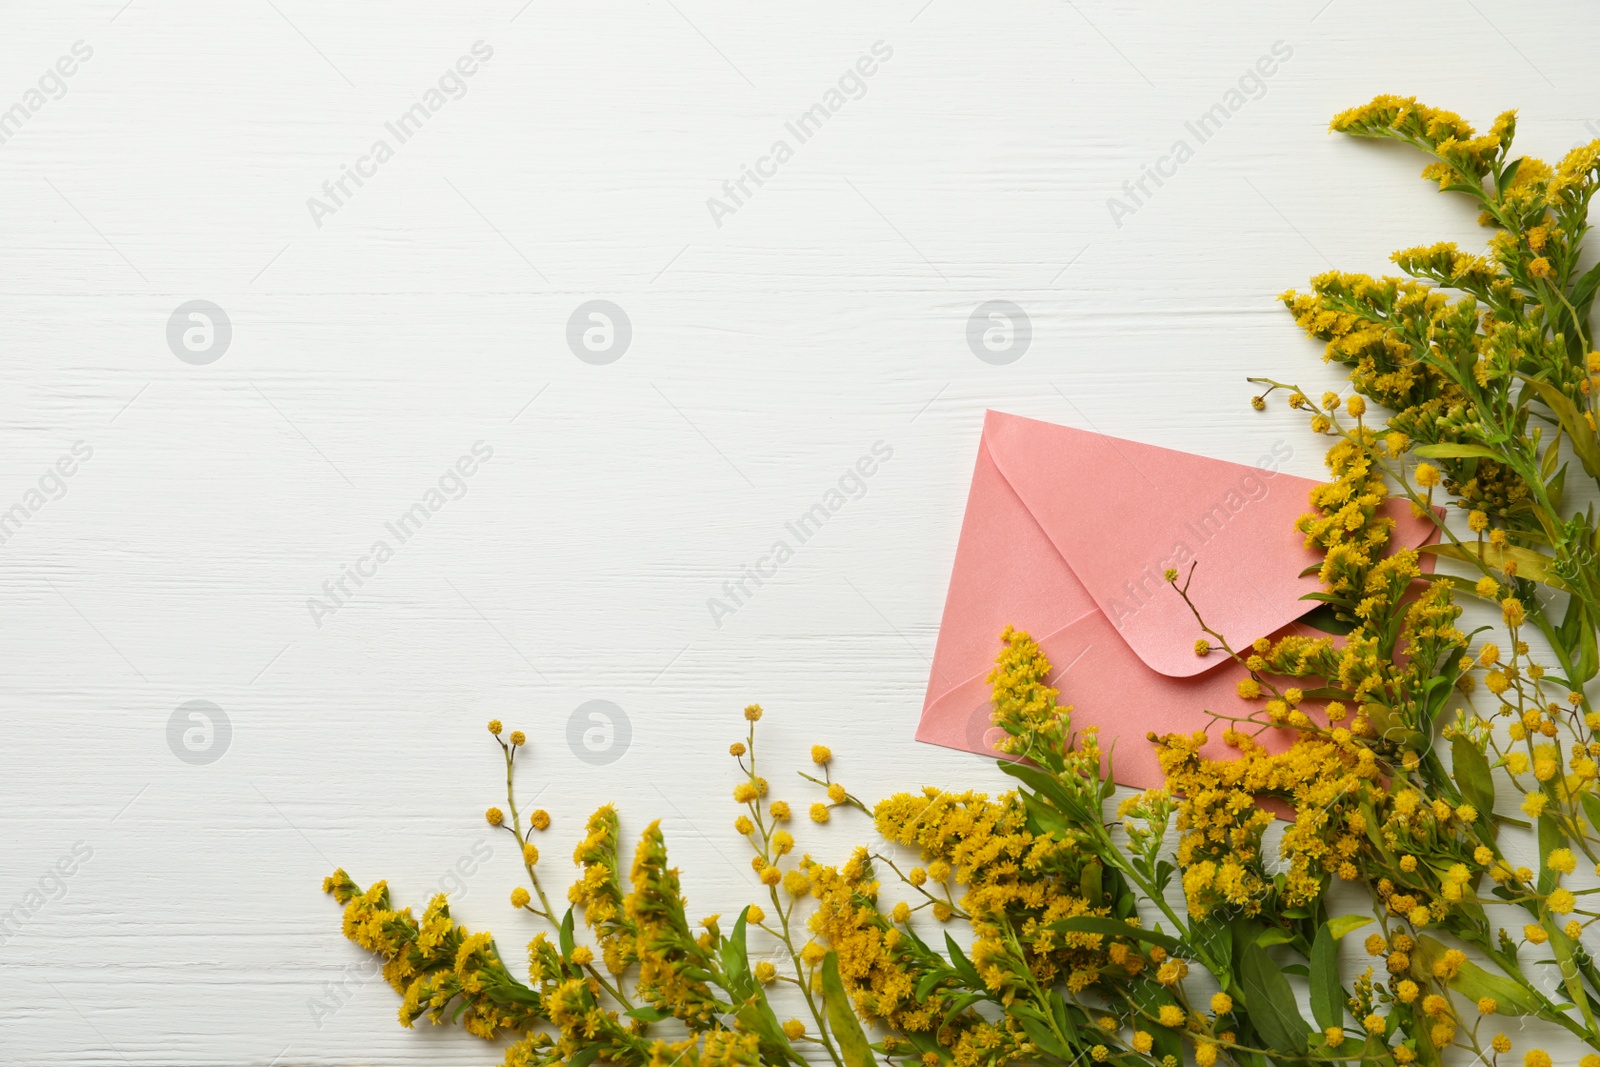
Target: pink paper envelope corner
x=1067, y=534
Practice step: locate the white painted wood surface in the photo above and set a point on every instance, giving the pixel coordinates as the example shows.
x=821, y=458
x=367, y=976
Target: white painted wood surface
x=428, y=312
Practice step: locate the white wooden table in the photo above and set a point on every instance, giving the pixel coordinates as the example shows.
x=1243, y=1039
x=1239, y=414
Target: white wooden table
x=362, y=334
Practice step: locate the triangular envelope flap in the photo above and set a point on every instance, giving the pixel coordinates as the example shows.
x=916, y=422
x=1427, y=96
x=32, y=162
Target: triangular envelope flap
x=998, y=580
x=1120, y=513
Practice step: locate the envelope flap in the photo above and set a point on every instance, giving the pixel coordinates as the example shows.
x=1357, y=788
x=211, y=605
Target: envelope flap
x=1121, y=513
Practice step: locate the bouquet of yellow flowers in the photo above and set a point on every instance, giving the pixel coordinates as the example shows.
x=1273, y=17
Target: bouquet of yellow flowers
x=1055, y=924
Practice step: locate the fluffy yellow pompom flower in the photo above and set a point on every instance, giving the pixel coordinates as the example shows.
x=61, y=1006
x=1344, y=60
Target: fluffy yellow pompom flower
x=771, y=876
x=819, y=813
x=1427, y=475
x=752, y=713
x=540, y=819
x=1488, y=588
x=1221, y=1003
x=794, y=1029
x=530, y=854
x=820, y=754
x=836, y=793
x=1487, y=1006
x=1356, y=406
x=1171, y=1015
x=1562, y=860
x=1512, y=611
x=583, y=955
x=520, y=897
x=1142, y=1041
x=779, y=809
x=495, y=727
x=518, y=738
x=1561, y=901
x=1536, y=1057
x=766, y=973
x=902, y=912
x=743, y=824
x=495, y=816
x=1533, y=804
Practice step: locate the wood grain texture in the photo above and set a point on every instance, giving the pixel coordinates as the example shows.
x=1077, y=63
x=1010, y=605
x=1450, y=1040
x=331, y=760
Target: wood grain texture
x=429, y=312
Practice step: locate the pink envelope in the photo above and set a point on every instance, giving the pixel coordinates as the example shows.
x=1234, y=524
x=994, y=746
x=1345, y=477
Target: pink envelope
x=1066, y=536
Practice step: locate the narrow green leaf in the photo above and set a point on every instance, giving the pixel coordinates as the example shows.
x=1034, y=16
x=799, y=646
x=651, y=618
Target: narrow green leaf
x=735, y=960
x=1327, y=998
x=568, y=943
x=963, y=966
x=1269, y=999
x=1089, y=882
x=1591, y=808
x=1530, y=564
x=1456, y=450
x=1346, y=923
x=847, y=1032
x=1471, y=771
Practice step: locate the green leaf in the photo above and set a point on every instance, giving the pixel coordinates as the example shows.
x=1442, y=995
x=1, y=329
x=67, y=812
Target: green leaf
x=1040, y=1034
x=1550, y=839
x=735, y=960
x=1095, y=924
x=847, y=1032
x=1089, y=882
x=1327, y=997
x=1563, y=947
x=645, y=1013
x=568, y=943
x=1471, y=771
x=1503, y=182
x=1475, y=983
x=1274, y=935
x=1591, y=808
x=756, y=1017
x=585, y=1056
x=1269, y=999
x=1456, y=450
x=1324, y=618
x=963, y=966
x=1346, y=923
x=1530, y=564
x=1585, y=443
